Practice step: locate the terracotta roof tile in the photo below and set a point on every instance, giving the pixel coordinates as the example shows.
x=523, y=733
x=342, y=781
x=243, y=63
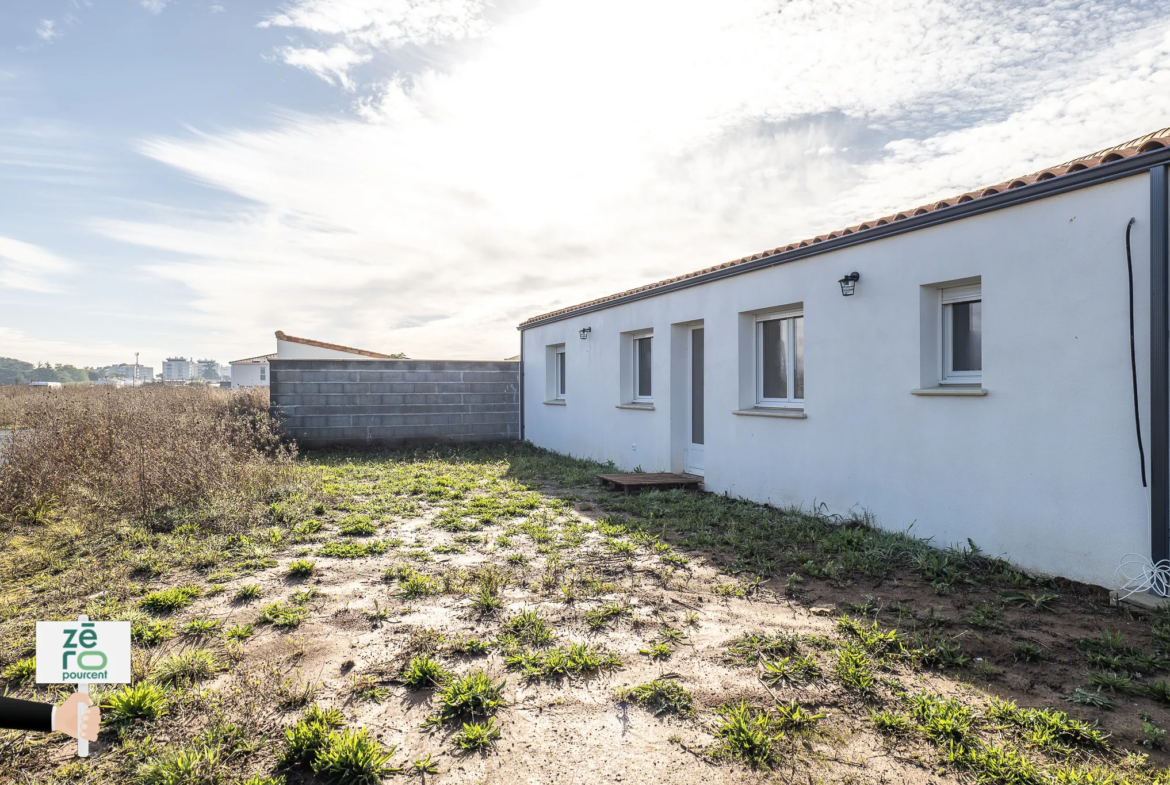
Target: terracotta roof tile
x=1143, y=144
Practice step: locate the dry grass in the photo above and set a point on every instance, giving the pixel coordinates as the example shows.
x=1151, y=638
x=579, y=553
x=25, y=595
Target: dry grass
x=141, y=453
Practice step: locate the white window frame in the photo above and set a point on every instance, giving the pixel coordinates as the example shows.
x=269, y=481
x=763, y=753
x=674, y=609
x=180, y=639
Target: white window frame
x=634, y=396
x=791, y=402
x=263, y=373
x=958, y=294
x=560, y=375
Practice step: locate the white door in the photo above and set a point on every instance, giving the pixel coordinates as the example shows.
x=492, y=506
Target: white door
x=695, y=450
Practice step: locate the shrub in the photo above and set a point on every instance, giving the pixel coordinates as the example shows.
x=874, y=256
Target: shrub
x=142, y=701
x=137, y=452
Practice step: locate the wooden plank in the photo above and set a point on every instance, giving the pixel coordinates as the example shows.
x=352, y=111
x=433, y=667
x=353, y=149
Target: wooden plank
x=643, y=480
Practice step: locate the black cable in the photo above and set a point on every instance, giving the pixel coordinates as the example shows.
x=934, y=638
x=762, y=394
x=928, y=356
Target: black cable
x=1137, y=417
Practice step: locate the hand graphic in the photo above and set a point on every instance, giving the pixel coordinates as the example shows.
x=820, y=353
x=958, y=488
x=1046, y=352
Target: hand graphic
x=65, y=718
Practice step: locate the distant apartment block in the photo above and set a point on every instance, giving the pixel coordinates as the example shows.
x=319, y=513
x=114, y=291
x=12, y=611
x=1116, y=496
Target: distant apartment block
x=178, y=369
x=129, y=372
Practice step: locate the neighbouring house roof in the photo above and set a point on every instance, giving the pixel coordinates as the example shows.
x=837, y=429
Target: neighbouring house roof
x=1143, y=144
x=254, y=360
x=280, y=336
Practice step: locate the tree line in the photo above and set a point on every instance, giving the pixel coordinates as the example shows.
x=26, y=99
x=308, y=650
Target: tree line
x=20, y=372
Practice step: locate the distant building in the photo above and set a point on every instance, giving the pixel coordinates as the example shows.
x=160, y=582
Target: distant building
x=207, y=370
x=178, y=369
x=129, y=372
x=251, y=371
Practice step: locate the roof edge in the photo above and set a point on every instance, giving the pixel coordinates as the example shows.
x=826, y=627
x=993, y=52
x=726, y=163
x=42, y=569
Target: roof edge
x=281, y=336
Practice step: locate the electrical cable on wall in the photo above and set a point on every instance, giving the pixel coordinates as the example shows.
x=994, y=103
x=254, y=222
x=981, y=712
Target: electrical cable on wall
x=1138, y=574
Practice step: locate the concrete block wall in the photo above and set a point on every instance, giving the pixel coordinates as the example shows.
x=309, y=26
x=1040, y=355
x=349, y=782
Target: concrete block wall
x=359, y=402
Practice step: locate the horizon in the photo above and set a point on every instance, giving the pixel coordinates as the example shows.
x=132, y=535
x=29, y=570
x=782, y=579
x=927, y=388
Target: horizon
x=186, y=177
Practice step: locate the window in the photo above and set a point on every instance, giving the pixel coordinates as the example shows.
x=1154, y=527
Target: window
x=643, y=348
x=780, y=360
x=962, y=335
x=559, y=374
x=263, y=373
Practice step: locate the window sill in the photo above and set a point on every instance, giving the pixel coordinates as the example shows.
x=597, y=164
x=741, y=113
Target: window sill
x=648, y=407
x=786, y=414
x=555, y=402
x=957, y=392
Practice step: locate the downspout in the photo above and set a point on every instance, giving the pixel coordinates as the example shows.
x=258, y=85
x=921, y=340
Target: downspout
x=1159, y=368
x=521, y=385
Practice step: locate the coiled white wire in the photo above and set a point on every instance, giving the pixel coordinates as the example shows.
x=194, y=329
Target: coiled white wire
x=1137, y=574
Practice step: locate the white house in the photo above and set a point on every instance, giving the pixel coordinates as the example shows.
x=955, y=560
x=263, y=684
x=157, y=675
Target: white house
x=861, y=369
x=253, y=371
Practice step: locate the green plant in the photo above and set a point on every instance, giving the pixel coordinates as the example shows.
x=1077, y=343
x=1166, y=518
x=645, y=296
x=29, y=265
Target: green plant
x=943, y=721
x=187, y=667
x=357, y=526
x=1153, y=737
x=351, y=757
x=309, y=735
x=302, y=568
x=1159, y=691
x=21, y=670
x=984, y=614
x=1029, y=652
x=797, y=669
x=201, y=627
x=424, y=672
x=169, y=600
x=793, y=717
x=749, y=648
x=477, y=736
x=661, y=696
x=854, y=669
x=247, y=593
x=659, y=651
x=469, y=697
x=601, y=616
x=746, y=734
x=574, y=660
x=416, y=584
x=890, y=723
x=424, y=765
x=285, y=616
x=239, y=632
x=378, y=613
x=142, y=701
x=529, y=626
x=1095, y=699
x=151, y=632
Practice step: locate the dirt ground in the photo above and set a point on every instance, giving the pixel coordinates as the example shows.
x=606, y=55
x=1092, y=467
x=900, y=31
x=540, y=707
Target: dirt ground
x=980, y=632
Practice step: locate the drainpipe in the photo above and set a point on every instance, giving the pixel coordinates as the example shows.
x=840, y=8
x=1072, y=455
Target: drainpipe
x=1159, y=368
x=521, y=385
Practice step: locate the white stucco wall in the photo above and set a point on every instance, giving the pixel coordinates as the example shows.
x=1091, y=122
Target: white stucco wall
x=291, y=350
x=248, y=375
x=1043, y=470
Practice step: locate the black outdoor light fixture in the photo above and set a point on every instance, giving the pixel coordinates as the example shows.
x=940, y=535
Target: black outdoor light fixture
x=585, y=332
x=849, y=283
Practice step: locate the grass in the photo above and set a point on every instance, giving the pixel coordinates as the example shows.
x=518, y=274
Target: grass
x=357, y=526
x=247, y=593
x=602, y=616
x=284, y=615
x=302, y=568
x=747, y=734
x=477, y=736
x=424, y=672
x=574, y=660
x=750, y=648
x=791, y=671
x=530, y=628
x=186, y=668
x=854, y=669
x=469, y=698
x=239, y=632
x=169, y=600
x=200, y=628
x=21, y=670
x=661, y=696
x=134, y=703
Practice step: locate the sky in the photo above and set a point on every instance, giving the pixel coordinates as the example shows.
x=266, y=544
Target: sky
x=186, y=177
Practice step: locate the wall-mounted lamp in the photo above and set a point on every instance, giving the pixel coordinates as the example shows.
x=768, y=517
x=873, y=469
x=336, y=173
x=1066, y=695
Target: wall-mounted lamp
x=585, y=332
x=849, y=283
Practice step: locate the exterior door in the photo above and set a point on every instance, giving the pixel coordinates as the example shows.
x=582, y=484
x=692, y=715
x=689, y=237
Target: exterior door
x=695, y=450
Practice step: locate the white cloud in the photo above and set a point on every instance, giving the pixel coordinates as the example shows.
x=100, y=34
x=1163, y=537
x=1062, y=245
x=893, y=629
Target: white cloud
x=581, y=148
x=332, y=65
x=47, y=30
x=384, y=22
x=30, y=267
x=154, y=6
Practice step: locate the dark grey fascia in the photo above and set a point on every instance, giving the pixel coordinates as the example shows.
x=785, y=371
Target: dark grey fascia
x=1159, y=366
x=1102, y=173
